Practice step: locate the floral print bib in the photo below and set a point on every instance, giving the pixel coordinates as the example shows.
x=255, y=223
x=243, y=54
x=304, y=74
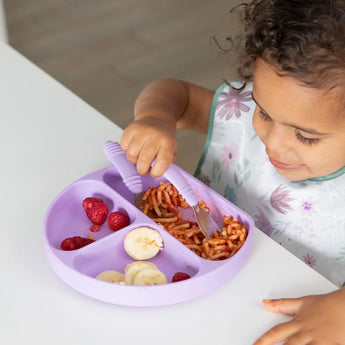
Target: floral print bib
x=306, y=217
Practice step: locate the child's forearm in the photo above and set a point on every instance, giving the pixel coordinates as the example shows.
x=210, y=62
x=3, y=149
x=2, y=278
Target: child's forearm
x=181, y=104
x=164, y=99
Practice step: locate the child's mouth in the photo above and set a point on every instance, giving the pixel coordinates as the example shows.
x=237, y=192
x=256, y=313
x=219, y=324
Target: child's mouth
x=283, y=166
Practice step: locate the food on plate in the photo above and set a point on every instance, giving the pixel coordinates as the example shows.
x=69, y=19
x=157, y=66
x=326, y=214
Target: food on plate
x=178, y=276
x=91, y=236
x=150, y=276
x=96, y=210
x=76, y=242
x=161, y=205
x=143, y=243
x=136, y=273
x=117, y=220
x=95, y=228
x=134, y=268
x=163, y=201
x=88, y=202
x=144, y=273
x=112, y=276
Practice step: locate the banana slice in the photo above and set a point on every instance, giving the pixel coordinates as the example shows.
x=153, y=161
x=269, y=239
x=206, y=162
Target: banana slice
x=134, y=268
x=143, y=243
x=150, y=276
x=111, y=276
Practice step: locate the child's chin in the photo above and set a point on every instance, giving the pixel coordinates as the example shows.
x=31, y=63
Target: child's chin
x=293, y=175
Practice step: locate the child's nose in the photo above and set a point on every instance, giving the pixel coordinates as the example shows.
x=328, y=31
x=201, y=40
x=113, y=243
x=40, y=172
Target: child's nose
x=277, y=139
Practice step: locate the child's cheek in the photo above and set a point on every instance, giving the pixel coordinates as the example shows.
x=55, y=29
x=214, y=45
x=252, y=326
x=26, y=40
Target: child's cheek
x=258, y=126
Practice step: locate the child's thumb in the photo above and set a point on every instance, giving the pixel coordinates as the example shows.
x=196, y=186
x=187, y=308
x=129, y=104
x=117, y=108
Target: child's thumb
x=287, y=306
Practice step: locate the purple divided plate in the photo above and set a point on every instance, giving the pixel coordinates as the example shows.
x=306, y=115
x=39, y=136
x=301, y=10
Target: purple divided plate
x=66, y=218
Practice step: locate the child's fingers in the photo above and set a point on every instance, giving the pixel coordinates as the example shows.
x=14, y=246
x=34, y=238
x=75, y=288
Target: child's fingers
x=287, y=306
x=165, y=156
x=141, y=150
x=278, y=334
x=131, y=146
x=144, y=141
x=145, y=158
x=126, y=140
x=288, y=330
x=133, y=153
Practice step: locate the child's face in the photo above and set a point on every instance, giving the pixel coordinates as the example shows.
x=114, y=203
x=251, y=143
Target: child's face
x=302, y=128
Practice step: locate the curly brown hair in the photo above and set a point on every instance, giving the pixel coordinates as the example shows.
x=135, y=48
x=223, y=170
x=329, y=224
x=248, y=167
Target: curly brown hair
x=304, y=39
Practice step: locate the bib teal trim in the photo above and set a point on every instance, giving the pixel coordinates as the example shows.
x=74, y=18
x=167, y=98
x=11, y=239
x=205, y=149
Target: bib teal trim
x=210, y=129
x=328, y=177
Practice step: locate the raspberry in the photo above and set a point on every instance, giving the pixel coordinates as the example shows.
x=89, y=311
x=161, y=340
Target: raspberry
x=97, y=213
x=117, y=220
x=178, y=276
x=76, y=242
x=88, y=202
x=95, y=228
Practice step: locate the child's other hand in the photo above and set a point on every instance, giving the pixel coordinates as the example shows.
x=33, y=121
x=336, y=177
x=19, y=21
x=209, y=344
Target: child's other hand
x=147, y=139
x=317, y=319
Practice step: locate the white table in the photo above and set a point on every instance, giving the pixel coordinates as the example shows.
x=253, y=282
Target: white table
x=49, y=138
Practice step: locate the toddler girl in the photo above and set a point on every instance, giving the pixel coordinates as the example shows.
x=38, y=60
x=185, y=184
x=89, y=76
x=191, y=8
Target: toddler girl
x=275, y=146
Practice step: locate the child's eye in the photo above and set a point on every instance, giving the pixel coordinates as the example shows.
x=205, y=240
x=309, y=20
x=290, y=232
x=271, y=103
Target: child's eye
x=263, y=115
x=304, y=140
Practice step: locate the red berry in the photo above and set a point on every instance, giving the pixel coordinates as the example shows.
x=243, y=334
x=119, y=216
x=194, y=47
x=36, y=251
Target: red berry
x=178, y=276
x=76, y=242
x=95, y=228
x=88, y=202
x=97, y=213
x=117, y=220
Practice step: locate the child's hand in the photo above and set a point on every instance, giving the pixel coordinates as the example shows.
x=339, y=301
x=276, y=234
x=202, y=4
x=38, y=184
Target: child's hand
x=161, y=107
x=147, y=139
x=317, y=319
